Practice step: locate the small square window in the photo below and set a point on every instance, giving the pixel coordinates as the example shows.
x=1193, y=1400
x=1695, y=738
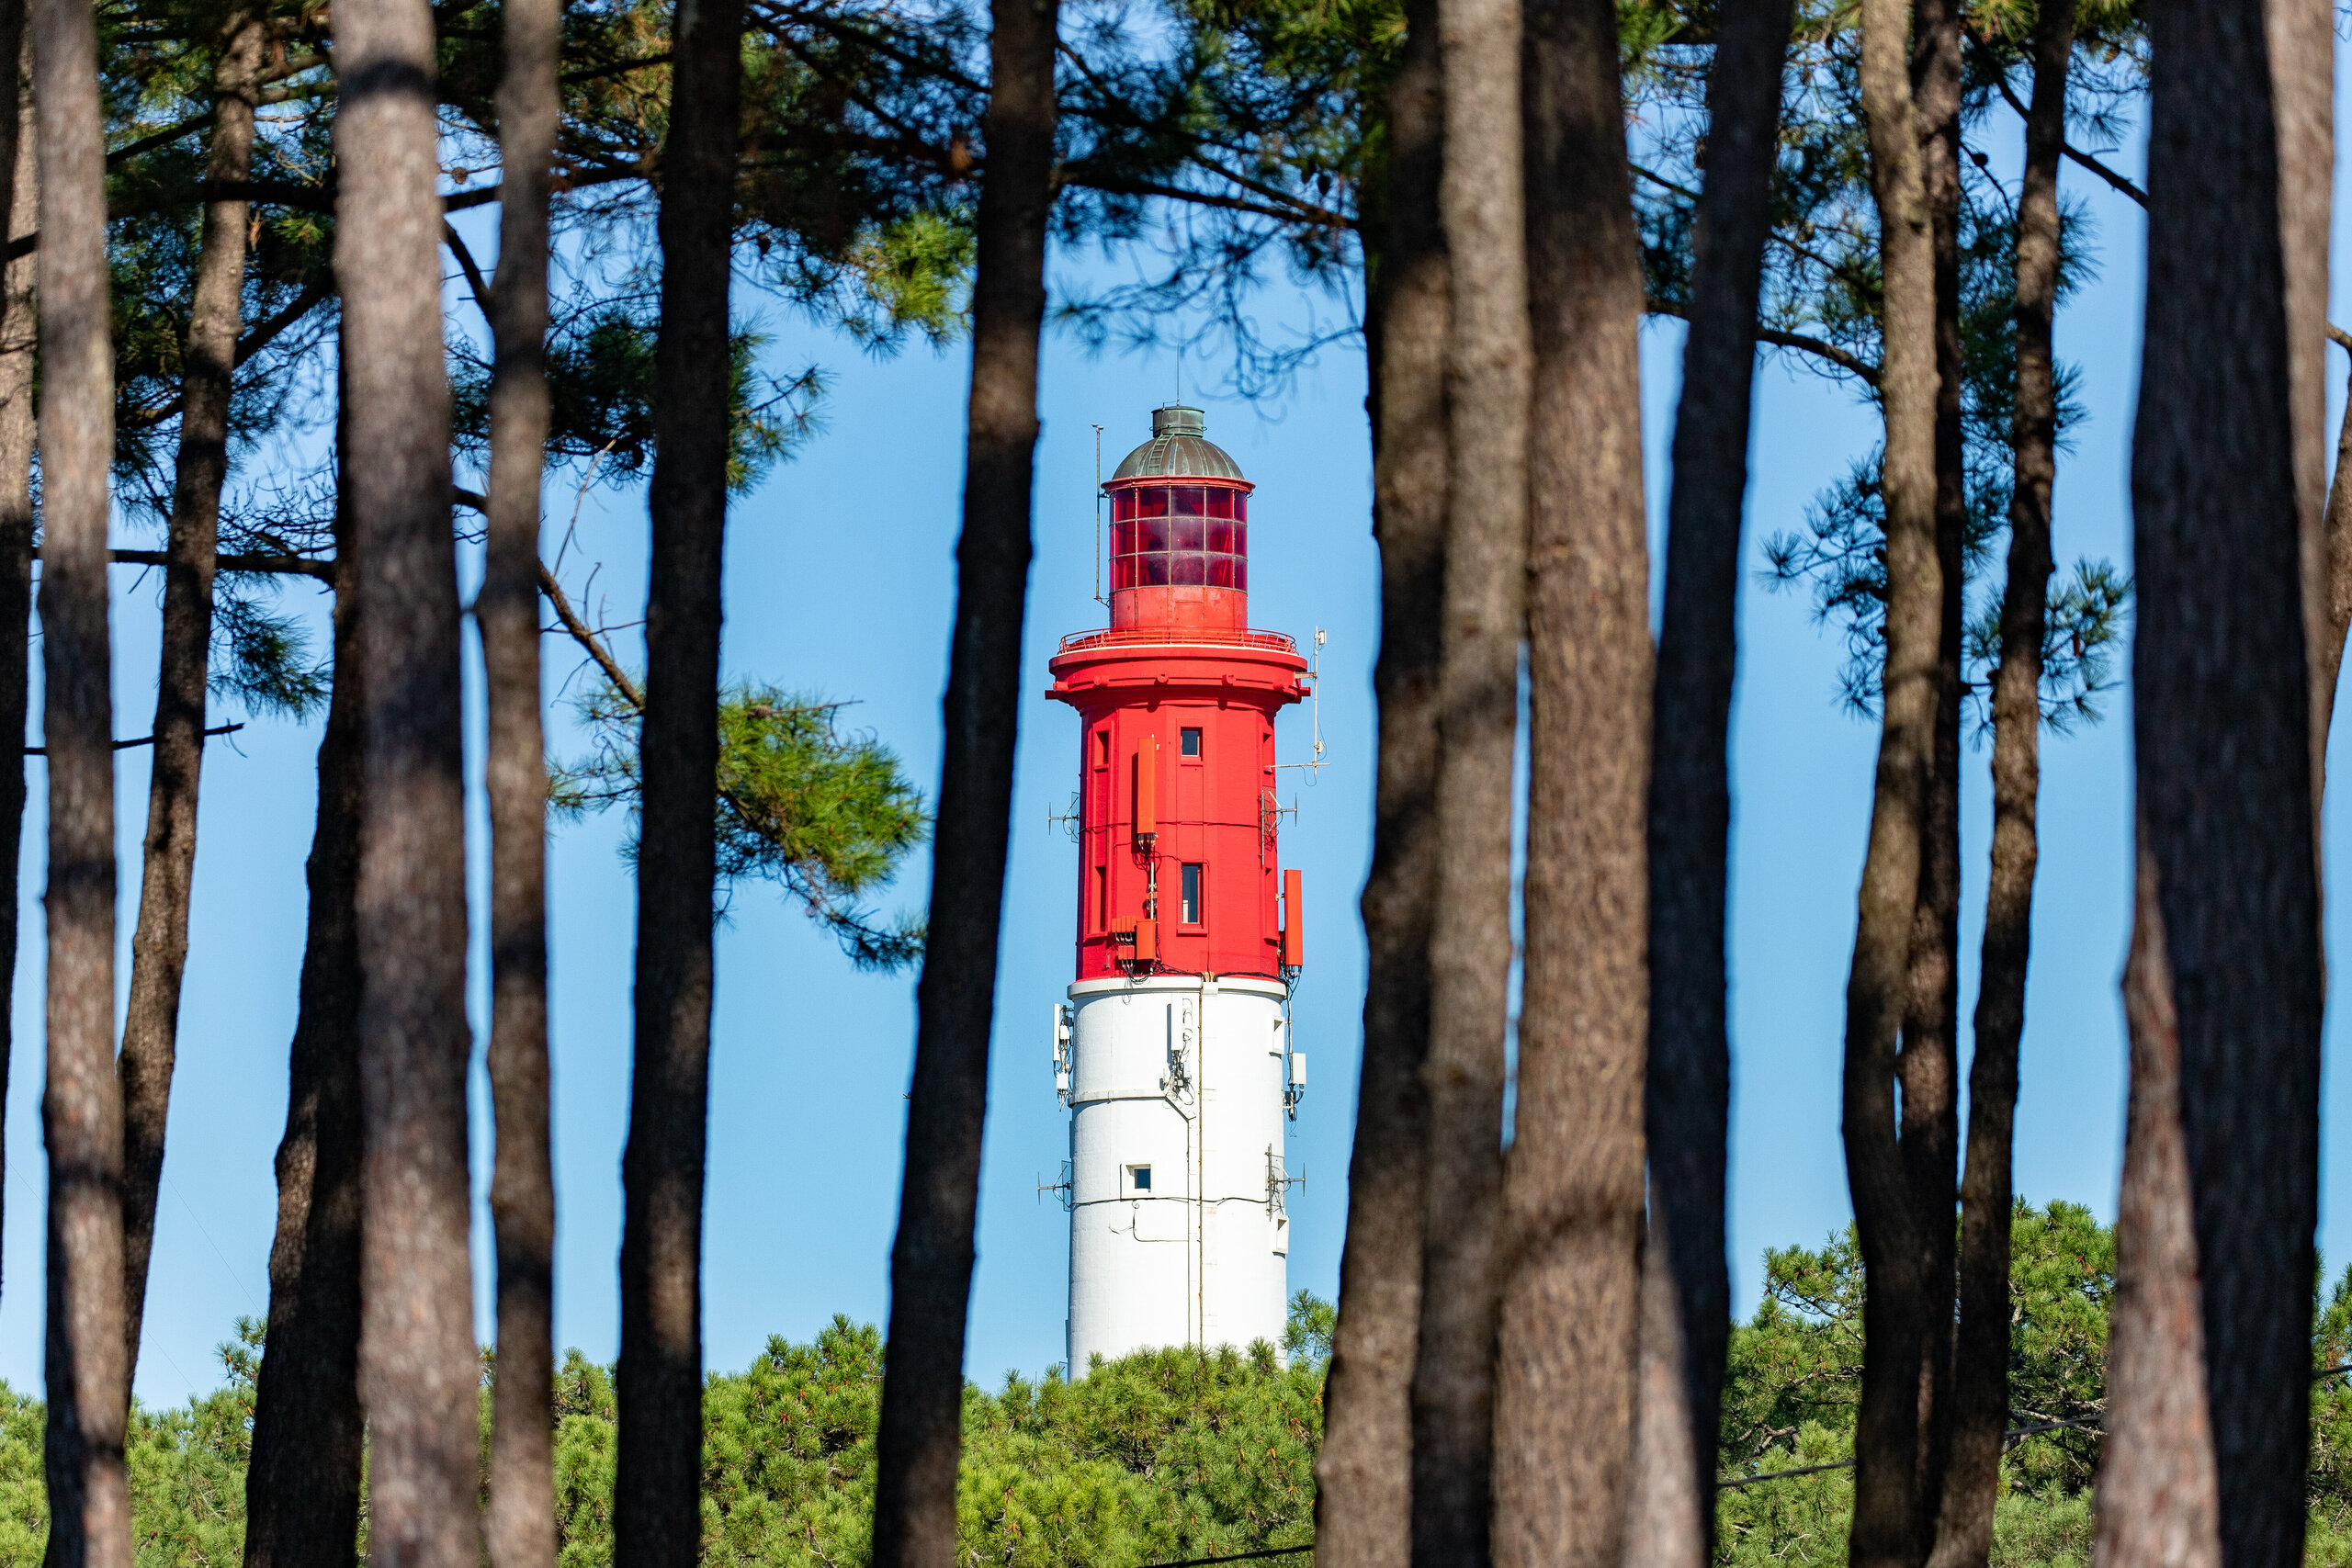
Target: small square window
x=1192, y=895
x=1188, y=741
x=1101, y=748
x=1139, y=1177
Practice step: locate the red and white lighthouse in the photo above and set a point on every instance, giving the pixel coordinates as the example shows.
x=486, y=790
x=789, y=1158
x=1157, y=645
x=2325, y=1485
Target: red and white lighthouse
x=1173, y=1051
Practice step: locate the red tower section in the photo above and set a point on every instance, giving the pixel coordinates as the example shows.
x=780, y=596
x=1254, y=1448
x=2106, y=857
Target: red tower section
x=1179, y=870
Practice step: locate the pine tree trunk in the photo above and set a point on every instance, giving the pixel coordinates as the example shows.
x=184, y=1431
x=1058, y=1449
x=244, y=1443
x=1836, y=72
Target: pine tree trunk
x=2226, y=513
x=1897, y=1255
x=159, y=944
x=302, y=1483
x=657, y=1505
x=1570, y=1273
x=921, y=1435
x=1980, y=1401
x=1364, y=1473
x=519, y=1523
x=88, y=1382
x=1686, y=1330
x=1489, y=360
x=418, y=1367
x=1930, y=1065
x=2156, y=1493
x=20, y=325
x=2327, y=657
x=2300, y=40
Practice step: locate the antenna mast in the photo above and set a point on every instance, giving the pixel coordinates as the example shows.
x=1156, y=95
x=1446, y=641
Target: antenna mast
x=1098, y=516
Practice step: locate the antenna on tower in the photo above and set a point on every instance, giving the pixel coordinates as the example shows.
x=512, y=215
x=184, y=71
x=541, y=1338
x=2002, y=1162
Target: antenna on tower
x=1098, y=516
x=1315, y=761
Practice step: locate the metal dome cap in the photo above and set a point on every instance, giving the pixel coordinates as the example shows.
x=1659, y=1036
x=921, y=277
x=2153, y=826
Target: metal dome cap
x=1178, y=450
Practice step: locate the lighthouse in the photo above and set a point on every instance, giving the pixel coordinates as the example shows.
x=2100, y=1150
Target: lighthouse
x=1173, y=1051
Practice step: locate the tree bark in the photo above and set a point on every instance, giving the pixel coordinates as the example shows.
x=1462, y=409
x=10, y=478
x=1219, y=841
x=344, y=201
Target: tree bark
x=921, y=1435
x=2327, y=655
x=418, y=1367
x=2300, y=40
x=1686, y=1329
x=302, y=1484
x=1928, y=1067
x=159, y=944
x=88, y=1382
x=1897, y=1255
x=1570, y=1269
x=2225, y=515
x=1363, y=1498
x=1481, y=201
x=657, y=1507
x=519, y=1523
x=1980, y=1403
x=2156, y=1495
x=20, y=325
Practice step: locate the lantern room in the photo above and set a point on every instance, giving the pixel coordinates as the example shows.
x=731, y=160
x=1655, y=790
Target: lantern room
x=1179, y=531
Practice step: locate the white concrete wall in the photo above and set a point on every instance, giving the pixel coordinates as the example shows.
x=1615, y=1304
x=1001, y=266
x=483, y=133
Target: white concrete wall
x=1187, y=1079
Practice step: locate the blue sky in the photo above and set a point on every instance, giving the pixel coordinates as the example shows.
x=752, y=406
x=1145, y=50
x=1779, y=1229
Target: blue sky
x=839, y=582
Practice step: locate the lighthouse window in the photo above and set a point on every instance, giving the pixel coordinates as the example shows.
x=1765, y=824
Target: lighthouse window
x=1188, y=741
x=1139, y=1177
x=1187, y=535
x=1192, y=895
x=1101, y=748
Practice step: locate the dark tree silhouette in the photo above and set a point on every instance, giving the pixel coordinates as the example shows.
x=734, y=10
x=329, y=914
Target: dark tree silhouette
x=921, y=1435
x=657, y=1503
x=418, y=1367
x=1980, y=1380
x=1686, y=1315
x=2226, y=986
x=302, y=1484
x=1898, y=1254
x=19, y=329
x=519, y=1525
x=1570, y=1271
x=88, y=1382
x=1364, y=1473
x=1489, y=366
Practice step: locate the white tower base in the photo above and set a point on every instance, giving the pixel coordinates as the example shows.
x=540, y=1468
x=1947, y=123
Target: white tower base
x=1177, y=1234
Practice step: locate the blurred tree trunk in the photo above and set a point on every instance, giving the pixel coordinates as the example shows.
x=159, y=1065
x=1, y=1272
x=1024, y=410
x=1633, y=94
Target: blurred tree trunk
x=1686, y=1306
x=88, y=1380
x=302, y=1484
x=921, y=1434
x=1481, y=201
x=1570, y=1267
x=1980, y=1401
x=519, y=1523
x=1897, y=1255
x=20, y=325
x=657, y=1502
x=159, y=944
x=419, y=1371
x=1364, y=1474
x=2215, y=1233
